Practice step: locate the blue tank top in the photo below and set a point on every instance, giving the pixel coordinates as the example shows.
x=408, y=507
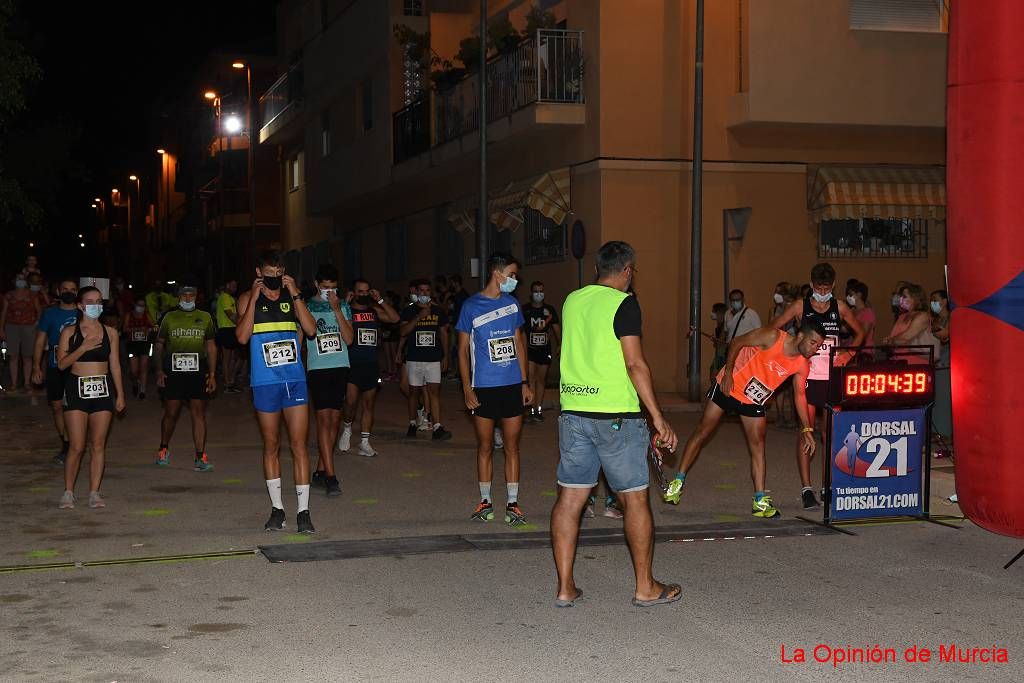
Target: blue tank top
x=274, y=347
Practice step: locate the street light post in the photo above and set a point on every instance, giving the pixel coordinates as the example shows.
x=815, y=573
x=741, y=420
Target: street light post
x=251, y=157
x=483, y=221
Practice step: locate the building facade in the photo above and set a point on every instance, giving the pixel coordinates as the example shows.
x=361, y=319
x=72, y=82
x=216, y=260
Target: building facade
x=824, y=139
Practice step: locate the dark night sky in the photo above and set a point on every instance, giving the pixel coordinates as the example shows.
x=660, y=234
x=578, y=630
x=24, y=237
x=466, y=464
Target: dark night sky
x=105, y=63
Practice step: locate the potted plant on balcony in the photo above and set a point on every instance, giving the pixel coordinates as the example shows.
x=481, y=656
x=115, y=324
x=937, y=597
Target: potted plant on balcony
x=502, y=36
x=538, y=19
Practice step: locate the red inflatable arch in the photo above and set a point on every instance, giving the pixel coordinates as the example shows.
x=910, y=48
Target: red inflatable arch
x=985, y=189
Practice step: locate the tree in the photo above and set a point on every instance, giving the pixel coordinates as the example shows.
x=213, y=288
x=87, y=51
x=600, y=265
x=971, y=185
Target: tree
x=18, y=70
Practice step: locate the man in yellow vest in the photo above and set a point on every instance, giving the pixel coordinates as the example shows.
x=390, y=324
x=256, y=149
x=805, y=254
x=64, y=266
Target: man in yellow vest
x=604, y=378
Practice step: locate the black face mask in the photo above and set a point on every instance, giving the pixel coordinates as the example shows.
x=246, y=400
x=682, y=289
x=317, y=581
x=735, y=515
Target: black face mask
x=67, y=297
x=272, y=282
x=363, y=300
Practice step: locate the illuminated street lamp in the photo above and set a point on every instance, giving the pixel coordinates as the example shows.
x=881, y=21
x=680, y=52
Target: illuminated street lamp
x=31, y=245
x=97, y=200
x=93, y=206
x=237, y=65
x=81, y=244
x=161, y=151
x=233, y=124
x=210, y=95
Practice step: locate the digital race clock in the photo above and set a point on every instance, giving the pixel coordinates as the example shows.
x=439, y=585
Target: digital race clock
x=884, y=384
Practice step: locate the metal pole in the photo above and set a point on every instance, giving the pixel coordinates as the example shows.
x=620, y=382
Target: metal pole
x=482, y=219
x=253, y=140
x=695, y=216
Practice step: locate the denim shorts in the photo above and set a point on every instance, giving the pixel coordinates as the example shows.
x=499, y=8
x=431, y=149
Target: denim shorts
x=588, y=445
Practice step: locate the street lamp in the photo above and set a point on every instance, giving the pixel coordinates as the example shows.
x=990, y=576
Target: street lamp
x=31, y=245
x=210, y=95
x=233, y=124
x=250, y=120
x=161, y=151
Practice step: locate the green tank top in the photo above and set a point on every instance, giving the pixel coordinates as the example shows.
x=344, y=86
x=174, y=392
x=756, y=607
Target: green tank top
x=593, y=369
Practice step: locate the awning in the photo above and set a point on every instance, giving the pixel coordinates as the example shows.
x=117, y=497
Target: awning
x=850, y=192
x=547, y=193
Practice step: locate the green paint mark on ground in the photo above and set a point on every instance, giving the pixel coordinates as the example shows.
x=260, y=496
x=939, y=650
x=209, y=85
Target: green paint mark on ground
x=156, y=512
x=727, y=465
x=526, y=527
x=298, y=538
x=727, y=518
x=365, y=501
x=39, y=489
x=35, y=554
x=231, y=481
x=411, y=475
x=549, y=494
x=725, y=487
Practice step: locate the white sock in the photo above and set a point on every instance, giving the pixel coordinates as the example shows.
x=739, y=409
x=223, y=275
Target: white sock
x=348, y=427
x=485, y=490
x=513, y=491
x=437, y=425
x=366, y=436
x=274, y=489
x=303, y=494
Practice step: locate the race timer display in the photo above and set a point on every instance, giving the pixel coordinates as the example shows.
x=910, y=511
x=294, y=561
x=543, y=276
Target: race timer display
x=868, y=383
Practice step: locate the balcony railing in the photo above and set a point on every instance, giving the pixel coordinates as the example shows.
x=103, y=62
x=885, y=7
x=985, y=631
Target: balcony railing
x=281, y=95
x=547, y=67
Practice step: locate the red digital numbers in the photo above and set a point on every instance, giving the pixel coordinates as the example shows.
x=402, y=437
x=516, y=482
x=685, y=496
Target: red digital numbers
x=883, y=383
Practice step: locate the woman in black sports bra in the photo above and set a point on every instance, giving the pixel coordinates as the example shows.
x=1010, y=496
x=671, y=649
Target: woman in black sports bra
x=92, y=392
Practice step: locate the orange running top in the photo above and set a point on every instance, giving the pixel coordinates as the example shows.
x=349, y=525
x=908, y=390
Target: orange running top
x=758, y=373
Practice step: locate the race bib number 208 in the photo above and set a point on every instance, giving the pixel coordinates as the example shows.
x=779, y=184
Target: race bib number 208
x=502, y=349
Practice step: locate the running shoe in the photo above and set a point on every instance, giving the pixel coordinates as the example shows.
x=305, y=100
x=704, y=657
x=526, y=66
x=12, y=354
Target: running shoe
x=345, y=440
x=498, y=441
x=203, y=464
x=366, y=450
x=67, y=501
x=764, y=507
x=484, y=512
x=276, y=521
x=539, y=416
x=96, y=500
x=531, y=417
x=675, y=491
x=333, y=486
x=163, y=457
x=304, y=524
x=410, y=433
x=513, y=515
x=59, y=459
x=318, y=478
x=808, y=499
x=588, y=510
x=441, y=434
x=612, y=508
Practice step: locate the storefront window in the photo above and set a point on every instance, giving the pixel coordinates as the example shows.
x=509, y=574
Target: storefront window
x=545, y=239
x=874, y=238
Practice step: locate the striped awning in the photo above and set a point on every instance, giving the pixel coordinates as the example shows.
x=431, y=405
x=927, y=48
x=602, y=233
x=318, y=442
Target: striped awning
x=851, y=192
x=547, y=193
x=550, y=195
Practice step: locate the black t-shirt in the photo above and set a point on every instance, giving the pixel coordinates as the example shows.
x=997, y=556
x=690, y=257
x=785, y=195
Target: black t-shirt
x=366, y=336
x=628, y=320
x=538, y=324
x=424, y=342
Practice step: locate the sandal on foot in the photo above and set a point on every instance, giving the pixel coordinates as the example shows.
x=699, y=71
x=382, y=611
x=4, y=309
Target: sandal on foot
x=671, y=593
x=569, y=603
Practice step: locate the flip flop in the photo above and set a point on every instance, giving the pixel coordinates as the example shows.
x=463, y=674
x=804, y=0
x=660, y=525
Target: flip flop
x=665, y=598
x=569, y=603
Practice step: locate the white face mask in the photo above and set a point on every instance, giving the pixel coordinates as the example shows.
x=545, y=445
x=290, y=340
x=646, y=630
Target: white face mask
x=325, y=292
x=851, y=300
x=821, y=298
x=35, y=288
x=21, y=284
x=736, y=305
x=139, y=310
x=423, y=299
x=714, y=317
x=895, y=300
x=936, y=307
x=777, y=298
x=187, y=306
x=538, y=296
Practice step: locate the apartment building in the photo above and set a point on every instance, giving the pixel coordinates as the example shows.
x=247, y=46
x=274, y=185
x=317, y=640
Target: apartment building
x=824, y=139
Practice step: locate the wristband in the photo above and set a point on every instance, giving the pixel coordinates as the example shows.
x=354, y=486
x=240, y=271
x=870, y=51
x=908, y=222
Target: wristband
x=525, y=382
x=805, y=430
x=380, y=302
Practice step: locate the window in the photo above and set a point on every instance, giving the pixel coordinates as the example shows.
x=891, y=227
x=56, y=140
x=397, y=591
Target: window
x=352, y=261
x=874, y=237
x=325, y=133
x=367, y=103
x=412, y=8
x=918, y=16
x=545, y=239
x=499, y=240
x=394, y=264
x=294, y=179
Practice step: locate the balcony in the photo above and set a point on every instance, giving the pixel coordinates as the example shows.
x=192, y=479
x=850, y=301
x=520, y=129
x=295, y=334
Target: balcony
x=280, y=105
x=541, y=72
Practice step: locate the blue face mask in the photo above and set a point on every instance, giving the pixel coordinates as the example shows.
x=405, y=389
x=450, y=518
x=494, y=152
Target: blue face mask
x=509, y=285
x=93, y=311
x=187, y=306
x=822, y=298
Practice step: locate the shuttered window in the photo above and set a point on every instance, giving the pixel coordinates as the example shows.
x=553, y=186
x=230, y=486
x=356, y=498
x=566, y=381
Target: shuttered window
x=920, y=16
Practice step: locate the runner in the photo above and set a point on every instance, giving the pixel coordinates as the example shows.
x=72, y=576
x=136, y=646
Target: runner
x=51, y=323
x=159, y=301
x=92, y=392
x=492, y=364
x=328, y=367
x=758, y=362
x=542, y=327
x=369, y=310
x=227, y=318
x=19, y=314
x=425, y=330
x=137, y=327
x=271, y=316
x=823, y=308
x=187, y=372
